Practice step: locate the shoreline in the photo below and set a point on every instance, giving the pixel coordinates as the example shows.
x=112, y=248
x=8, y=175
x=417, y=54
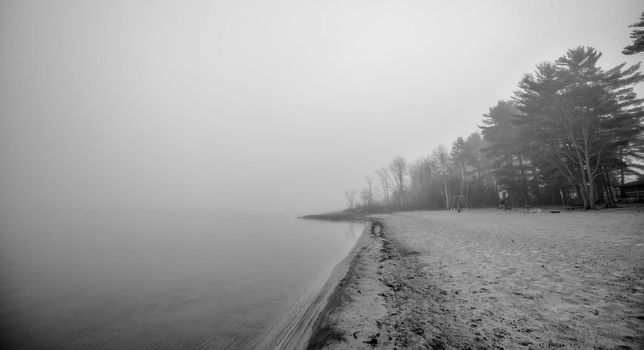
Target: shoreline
x=356, y=299
x=321, y=329
x=492, y=279
x=297, y=329
x=348, y=215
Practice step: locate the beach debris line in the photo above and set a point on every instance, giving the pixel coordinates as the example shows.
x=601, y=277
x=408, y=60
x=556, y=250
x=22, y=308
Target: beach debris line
x=377, y=228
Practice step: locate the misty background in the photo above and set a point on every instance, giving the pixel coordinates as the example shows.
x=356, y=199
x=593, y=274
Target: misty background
x=109, y=105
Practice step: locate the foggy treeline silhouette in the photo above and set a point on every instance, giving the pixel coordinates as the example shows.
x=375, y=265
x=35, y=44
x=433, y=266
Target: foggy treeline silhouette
x=570, y=134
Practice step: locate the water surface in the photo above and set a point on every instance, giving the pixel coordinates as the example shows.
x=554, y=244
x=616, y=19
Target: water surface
x=157, y=280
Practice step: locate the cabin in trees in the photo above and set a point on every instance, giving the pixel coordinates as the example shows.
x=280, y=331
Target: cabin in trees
x=633, y=189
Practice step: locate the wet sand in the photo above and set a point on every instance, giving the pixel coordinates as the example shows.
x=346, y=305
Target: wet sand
x=488, y=279
x=296, y=329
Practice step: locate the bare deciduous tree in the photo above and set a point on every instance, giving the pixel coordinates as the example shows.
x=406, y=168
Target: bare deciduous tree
x=369, y=180
x=350, y=196
x=365, y=196
x=383, y=175
x=398, y=168
x=443, y=163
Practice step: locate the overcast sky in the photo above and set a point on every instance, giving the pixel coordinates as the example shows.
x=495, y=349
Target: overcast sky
x=258, y=104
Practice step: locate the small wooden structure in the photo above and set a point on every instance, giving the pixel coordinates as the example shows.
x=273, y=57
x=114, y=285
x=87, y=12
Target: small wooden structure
x=459, y=203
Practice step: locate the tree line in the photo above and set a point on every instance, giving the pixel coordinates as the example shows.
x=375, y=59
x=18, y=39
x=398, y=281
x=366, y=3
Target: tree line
x=569, y=134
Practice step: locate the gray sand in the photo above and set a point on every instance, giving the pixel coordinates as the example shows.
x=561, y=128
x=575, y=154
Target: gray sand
x=495, y=280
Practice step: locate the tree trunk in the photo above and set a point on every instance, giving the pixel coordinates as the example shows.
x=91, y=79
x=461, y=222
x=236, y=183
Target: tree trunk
x=465, y=185
x=583, y=187
x=591, y=196
x=523, y=180
x=428, y=195
x=600, y=187
x=563, y=199
x=446, y=193
x=581, y=190
x=536, y=192
x=591, y=184
x=609, y=188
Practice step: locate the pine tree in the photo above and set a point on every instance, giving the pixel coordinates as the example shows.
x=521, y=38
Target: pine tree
x=459, y=157
x=578, y=115
x=507, y=151
x=638, y=38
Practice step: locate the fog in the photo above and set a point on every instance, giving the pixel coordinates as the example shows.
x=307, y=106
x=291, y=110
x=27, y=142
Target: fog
x=212, y=105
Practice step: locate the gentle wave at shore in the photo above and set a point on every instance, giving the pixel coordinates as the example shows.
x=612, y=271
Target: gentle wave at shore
x=150, y=280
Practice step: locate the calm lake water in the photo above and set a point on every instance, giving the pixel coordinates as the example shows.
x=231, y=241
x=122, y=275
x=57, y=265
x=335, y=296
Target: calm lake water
x=158, y=280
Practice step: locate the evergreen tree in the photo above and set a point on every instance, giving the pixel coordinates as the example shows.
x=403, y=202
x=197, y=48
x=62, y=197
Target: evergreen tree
x=577, y=115
x=459, y=158
x=638, y=38
x=507, y=150
x=482, y=189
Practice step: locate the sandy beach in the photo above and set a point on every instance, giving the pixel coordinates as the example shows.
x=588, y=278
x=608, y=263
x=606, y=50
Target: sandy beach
x=488, y=279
